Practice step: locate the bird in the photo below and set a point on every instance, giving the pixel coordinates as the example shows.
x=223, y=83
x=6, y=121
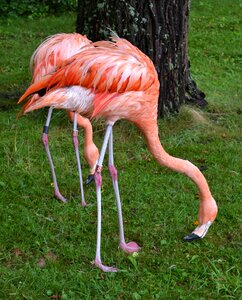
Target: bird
x=118, y=81
x=49, y=54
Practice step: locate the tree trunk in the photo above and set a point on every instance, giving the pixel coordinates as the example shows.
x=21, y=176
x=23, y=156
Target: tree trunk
x=160, y=29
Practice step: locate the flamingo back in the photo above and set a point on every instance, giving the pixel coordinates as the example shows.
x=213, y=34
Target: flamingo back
x=53, y=51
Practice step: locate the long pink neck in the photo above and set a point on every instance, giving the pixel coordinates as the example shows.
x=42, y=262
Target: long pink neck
x=91, y=153
x=150, y=131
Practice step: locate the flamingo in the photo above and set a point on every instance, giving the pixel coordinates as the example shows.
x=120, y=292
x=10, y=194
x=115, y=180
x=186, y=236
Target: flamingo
x=117, y=81
x=50, y=53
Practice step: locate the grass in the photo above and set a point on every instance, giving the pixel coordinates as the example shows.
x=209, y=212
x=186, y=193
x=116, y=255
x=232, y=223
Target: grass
x=46, y=248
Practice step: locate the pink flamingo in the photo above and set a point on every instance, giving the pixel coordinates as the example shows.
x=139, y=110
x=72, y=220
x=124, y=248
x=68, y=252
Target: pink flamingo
x=51, y=53
x=117, y=81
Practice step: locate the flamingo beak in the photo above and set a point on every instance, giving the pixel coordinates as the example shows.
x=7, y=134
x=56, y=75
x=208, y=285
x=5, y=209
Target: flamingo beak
x=90, y=178
x=199, y=232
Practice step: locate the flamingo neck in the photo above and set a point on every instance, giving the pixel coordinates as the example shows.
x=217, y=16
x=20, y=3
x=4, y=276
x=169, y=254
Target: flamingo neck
x=150, y=131
x=88, y=133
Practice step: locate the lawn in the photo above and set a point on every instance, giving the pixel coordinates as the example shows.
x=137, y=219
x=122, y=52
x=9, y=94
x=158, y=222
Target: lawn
x=47, y=248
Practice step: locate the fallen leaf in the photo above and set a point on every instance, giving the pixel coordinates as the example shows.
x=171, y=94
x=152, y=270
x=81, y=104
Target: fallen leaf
x=51, y=256
x=41, y=262
x=195, y=223
x=17, y=252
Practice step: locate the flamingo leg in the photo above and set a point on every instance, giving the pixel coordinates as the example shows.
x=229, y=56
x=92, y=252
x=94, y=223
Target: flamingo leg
x=75, y=143
x=45, y=141
x=131, y=246
x=98, y=182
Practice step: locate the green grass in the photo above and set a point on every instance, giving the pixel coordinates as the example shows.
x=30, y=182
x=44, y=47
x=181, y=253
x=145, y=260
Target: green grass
x=215, y=48
x=159, y=206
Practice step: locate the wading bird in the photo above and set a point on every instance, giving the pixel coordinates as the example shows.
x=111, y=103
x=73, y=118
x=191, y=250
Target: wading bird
x=51, y=53
x=117, y=81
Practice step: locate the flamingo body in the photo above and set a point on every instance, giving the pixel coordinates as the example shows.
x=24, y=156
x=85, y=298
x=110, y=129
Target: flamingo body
x=120, y=82
x=123, y=80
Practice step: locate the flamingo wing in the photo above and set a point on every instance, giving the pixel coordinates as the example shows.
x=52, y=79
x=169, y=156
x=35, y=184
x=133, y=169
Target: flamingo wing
x=104, y=66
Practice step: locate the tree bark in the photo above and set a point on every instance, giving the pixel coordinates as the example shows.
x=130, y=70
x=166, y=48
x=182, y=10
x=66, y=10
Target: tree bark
x=160, y=29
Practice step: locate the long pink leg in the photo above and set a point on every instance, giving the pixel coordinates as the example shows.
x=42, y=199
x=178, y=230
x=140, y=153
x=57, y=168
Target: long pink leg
x=46, y=145
x=98, y=182
x=131, y=246
x=75, y=143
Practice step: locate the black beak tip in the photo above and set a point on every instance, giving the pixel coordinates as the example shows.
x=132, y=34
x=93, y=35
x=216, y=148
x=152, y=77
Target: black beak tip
x=191, y=237
x=90, y=178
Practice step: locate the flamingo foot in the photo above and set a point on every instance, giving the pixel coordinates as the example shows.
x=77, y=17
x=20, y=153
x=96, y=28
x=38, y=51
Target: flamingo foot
x=104, y=268
x=60, y=197
x=83, y=203
x=199, y=232
x=130, y=247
